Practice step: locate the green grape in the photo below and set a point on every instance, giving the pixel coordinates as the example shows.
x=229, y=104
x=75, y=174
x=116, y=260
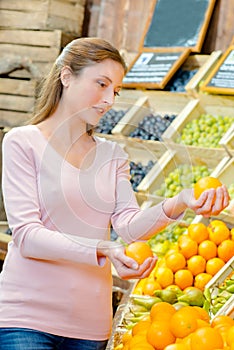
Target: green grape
x=184, y=176
x=205, y=131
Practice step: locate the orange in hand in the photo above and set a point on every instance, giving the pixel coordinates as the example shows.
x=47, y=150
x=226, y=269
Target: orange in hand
x=139, y=251
x=205, y=183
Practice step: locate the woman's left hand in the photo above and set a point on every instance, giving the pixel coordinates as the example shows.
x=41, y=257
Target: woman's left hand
x=211, y=202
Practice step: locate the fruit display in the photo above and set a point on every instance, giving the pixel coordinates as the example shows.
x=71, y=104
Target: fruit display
x=183, y=176
x=166, y=328
x=152, y=126
x=206, y=130
x=180, y=80
x=162, y=241
x=109, y=120
x=138, y=171
x=185, y=268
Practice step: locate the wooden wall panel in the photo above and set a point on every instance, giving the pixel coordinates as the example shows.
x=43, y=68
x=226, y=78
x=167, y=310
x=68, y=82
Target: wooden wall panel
x=123, y=22
x=221, y=29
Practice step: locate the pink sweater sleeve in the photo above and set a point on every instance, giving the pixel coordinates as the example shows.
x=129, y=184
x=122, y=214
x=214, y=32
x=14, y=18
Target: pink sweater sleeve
x=128, y=220
x=34, y=240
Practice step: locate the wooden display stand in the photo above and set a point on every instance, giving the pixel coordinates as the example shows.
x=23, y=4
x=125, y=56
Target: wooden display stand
x=221, y=79
x=171, y=159
x=171, y=34
x=192, y=111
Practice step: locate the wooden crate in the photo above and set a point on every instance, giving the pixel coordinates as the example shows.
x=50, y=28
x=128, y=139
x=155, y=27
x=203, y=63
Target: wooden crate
x=172, y=159
x=193, y=110
x=17, y=98
x=227, y=141
x=66, y=15
x=41, y=47
x=204, y=64
x=213, y=286
x=150, y=102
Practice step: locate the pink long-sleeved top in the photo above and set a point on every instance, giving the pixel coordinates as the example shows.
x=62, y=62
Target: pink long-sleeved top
x=52, y=279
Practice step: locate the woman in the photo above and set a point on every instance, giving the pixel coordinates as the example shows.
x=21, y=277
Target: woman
x=63, y=187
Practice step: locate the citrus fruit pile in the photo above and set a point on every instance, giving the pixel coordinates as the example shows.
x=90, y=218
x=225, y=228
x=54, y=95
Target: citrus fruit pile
x=194, y=260
x=188, y=328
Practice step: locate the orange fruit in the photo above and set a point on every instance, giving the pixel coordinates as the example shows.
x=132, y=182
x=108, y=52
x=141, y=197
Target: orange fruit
x=176, y=347
x=205, y=183
x=161, y=310
x=139, y=251
x=216, y=222
x=232, y=233
x=150, y=286
x=206, y=338
x=223, y=329
x=182, y=324
x=207, y=249
x=159, y=335
x=230, y=336
x=218, y=232
x=139, y=287
x=201, y=280
x=175, y=261
x=226, y=250
x=198, y=232
x=196, y=264
x=126, y=337
x=183, y=278
x=214, y=265
x=201, y=323
x=138, y=339
x=141, y=346
x=187, y=246
x=187, y=341
x=164, y=276
x=202, y=313
x=222, y=319
x=140, y=327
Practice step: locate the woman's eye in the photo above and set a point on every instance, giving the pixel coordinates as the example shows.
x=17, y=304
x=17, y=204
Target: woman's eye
x=102, y=84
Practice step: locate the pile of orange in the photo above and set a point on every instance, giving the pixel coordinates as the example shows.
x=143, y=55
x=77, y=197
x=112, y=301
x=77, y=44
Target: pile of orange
x=199, y=255
x=202, y=252
x=186, y=329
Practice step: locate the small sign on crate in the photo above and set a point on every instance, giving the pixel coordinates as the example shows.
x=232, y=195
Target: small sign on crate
x=221, y=79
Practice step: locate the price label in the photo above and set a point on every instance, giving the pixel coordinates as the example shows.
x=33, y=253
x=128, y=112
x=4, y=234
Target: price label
x=221, y=79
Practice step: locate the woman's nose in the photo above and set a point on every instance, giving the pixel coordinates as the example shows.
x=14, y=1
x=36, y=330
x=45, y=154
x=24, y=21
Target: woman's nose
x=109, y=97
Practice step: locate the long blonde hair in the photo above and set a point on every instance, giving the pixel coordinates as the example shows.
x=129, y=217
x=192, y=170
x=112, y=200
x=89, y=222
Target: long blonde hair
x=78, y=54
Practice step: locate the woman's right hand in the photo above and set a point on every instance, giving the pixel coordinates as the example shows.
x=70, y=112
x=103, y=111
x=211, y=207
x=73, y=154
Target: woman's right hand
x=126, y=267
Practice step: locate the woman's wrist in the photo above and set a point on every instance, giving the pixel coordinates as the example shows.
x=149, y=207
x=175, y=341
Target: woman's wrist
x=104, y=247
x=175, y=206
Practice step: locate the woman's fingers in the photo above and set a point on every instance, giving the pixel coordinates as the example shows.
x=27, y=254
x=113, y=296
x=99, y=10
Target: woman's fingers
x=212, y=201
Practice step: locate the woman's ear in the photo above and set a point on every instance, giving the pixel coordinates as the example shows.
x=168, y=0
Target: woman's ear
x=65, y=76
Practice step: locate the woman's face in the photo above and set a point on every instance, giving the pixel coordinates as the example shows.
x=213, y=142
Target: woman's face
x=91, y=94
